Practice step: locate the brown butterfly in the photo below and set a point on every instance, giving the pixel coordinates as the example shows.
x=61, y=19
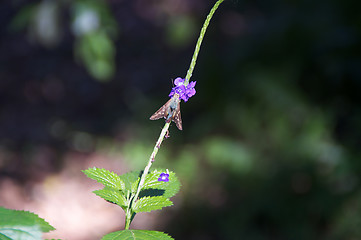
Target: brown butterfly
x=170, y=111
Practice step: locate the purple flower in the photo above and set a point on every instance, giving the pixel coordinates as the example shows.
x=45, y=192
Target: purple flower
x=184, y=92
x=163, y=177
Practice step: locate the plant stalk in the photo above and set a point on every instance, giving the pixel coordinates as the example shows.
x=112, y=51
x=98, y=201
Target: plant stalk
x=129, y=213
x=199, y=42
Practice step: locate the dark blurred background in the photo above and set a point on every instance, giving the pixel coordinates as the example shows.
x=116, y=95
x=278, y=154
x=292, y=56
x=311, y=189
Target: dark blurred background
x=271, y=141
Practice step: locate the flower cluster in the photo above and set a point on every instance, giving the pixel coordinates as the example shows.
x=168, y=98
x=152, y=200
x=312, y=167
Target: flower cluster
x=184, y=92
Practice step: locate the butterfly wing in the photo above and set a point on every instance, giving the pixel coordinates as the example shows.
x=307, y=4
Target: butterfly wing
x=162, y=111
x=166, y=112
x=177, y=117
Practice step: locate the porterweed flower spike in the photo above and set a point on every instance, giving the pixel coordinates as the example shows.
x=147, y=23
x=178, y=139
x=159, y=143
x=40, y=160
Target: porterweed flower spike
x=171, y=112
x=184, y=92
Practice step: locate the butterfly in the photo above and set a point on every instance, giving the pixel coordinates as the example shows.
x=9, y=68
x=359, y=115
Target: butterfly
x=170, y=111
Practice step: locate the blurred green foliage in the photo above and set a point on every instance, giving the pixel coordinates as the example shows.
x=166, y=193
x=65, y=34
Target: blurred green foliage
x=92, y=24
x=270, y=146
x=95, y=28
x=180, y=31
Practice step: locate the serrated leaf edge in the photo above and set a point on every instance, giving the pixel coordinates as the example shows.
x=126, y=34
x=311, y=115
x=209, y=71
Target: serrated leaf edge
x=115, y=181
x=161, y=199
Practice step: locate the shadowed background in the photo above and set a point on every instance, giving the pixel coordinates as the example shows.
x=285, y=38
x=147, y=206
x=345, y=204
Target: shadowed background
x=271, y=141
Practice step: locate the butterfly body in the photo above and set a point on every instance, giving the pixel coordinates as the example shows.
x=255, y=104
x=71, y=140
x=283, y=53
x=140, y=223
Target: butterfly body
x=170, y=111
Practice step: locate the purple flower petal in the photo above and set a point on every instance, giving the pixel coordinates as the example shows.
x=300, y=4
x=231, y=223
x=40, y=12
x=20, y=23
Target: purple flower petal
x=178, y=81
x=181, y=89
x=192, y=84
x=171, y=93
x=191, y=92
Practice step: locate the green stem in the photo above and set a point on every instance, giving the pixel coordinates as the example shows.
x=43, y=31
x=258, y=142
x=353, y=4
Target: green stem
x=152, y=157
x=129, y=212
x=128, y=217
x=199, y=42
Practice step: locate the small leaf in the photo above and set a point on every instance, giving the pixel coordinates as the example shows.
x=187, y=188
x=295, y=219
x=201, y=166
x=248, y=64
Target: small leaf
x=16, y=225
x=103, y=176
x=129, y=179
x=137, y=235
x=147, y=204
x=112, y=195
x=170, y=188
x=135, y=185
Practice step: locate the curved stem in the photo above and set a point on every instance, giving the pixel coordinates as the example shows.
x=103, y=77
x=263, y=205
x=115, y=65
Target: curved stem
x=199, y=42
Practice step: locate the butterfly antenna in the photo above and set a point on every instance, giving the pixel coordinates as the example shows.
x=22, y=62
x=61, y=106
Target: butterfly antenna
x=172, y=82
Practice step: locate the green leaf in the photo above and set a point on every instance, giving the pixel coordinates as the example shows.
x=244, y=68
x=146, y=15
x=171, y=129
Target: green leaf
x=3, y=237
x=134, y=186
x=129, y=179
x=169, y=189
x=108, y=178
x=16, y=225
x=137, y=235
x=112, y=195
x=147, y=204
